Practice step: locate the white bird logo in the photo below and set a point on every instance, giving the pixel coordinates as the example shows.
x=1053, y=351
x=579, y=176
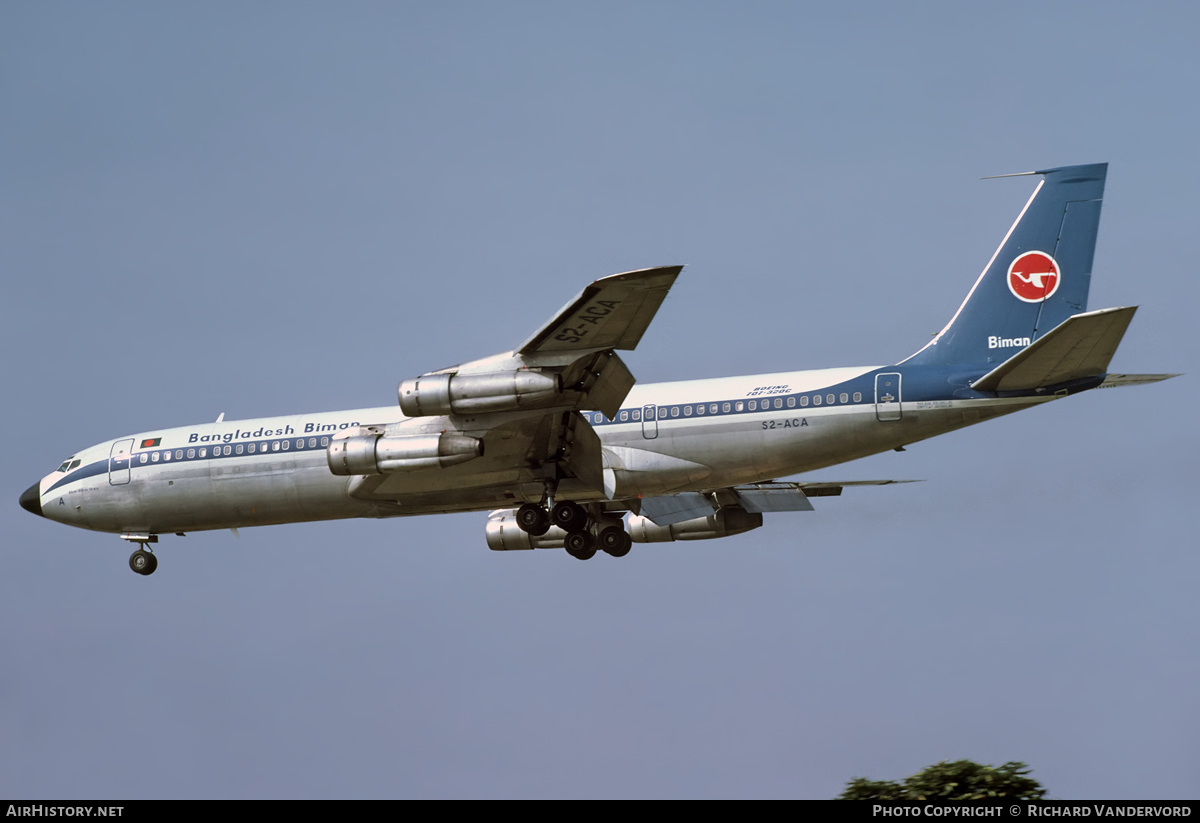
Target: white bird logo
x=1034, y=278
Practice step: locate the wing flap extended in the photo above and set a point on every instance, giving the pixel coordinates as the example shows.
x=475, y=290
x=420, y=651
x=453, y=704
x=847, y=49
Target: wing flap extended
x=756, y=498
x=1081, y=346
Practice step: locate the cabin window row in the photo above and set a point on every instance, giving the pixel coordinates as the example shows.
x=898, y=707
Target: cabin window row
x=238, y=448
x=699, y=409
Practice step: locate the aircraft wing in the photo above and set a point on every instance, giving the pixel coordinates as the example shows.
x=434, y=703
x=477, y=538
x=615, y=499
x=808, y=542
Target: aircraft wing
x=523, y=406
x=611, y=313
x=570, y=362
x=753, y=497
x=520, y=452
x=1115, y=380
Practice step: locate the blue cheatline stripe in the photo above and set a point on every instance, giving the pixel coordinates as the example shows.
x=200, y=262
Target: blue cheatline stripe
x=90, y=470
x=206, y=452
x=863, y=386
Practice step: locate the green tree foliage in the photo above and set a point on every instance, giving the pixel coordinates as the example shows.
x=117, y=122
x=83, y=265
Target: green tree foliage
x=960, y=780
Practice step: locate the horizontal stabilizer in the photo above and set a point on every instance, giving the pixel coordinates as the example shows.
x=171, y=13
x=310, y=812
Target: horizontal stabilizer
x=1112, y=381
x=755, y=498
x=1080, y=346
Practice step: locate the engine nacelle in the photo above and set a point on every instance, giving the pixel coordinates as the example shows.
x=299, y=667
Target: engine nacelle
x=435, y=394
x=725, y=522
x=373, y=454
x=504, y=535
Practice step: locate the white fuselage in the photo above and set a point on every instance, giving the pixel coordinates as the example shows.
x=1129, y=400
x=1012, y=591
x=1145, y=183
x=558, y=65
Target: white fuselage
x=667, y=438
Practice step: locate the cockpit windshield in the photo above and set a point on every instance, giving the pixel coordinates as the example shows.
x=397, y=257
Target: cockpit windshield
x=69, y=465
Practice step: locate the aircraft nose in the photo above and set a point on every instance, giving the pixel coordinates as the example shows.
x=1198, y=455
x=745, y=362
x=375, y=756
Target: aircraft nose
x=31, y=500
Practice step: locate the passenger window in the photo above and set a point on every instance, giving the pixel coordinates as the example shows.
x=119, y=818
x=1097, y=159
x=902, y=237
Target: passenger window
x=312, y=442
x=753, y=405
x=637, y=414
x=179, y=454
x=725, y=408
x=624, y=416
x=662, y=412
x=275, y=446
x=858, y=397
x=250, y=448
x=153, y=458
x=203, y=452
x=778, y=403
x=829, y=398
x=143, y=458
x=300, y=443
x=699, y=409
x=674, y=411
x=263, y=447
x=324, y=441
x=687, y=411
x=238, y=448
x=166, y=455
x=739, y=405
x=816, y=399
x=191, y=453
x=791, y=402
x=712, y=409
x=845, y=397
x=286, y=444
x=804, y=400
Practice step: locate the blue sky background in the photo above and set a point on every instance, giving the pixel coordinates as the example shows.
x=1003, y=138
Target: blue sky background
x=272, y=208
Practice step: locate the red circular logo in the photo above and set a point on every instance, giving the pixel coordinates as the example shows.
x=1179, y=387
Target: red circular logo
x=1033, y=276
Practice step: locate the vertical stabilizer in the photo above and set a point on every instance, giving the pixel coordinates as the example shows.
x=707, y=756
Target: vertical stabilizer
x=1038, y=277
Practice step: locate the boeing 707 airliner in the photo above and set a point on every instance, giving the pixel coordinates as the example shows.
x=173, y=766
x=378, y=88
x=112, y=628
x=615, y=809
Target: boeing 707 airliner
x=558, y=443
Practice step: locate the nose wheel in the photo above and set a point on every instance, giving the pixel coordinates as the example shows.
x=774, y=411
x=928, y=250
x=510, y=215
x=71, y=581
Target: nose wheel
x=143, y=562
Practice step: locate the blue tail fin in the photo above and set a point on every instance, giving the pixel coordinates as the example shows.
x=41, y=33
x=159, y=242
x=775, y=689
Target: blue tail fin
x=1037, y=278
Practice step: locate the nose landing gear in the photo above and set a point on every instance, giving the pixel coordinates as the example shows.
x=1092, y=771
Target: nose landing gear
x=143, y=562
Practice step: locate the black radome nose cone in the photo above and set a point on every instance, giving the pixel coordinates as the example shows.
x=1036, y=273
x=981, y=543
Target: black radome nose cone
x=31, y=500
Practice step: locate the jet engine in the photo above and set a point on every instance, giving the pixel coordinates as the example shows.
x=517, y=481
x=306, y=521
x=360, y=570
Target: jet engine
x=375, y=454
x=725, y=522
x=436, y=394
x=504, y=535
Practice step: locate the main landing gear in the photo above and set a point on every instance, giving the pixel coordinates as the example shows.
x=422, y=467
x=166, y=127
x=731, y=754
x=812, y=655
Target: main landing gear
x=584, y=534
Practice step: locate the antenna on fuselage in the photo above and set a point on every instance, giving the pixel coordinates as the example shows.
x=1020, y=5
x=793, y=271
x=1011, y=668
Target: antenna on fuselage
x=220, y=417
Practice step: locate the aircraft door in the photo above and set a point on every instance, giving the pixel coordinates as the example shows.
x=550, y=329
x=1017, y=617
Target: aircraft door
x=649, y=422
x=118, y=462
x=887, y=397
